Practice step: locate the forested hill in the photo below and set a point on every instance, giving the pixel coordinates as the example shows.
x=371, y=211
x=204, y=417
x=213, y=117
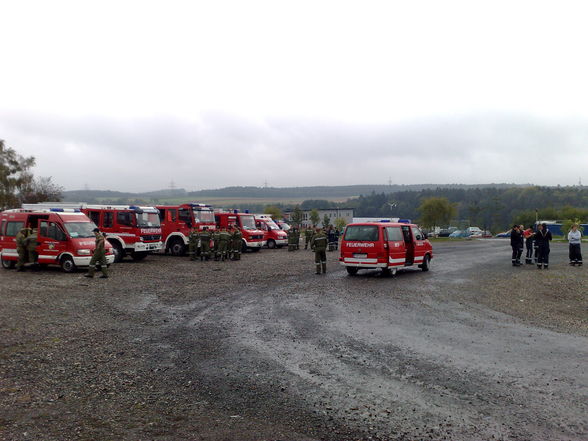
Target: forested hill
x=495, y=208
x=318, y=192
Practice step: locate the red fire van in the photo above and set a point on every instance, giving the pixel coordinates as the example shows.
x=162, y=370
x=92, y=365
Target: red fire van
x=386, y=245
x=273, y=235
x=252, y=236
x=64, y=237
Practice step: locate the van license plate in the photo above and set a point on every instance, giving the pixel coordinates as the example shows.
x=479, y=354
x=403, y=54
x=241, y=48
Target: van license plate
x=360, y=256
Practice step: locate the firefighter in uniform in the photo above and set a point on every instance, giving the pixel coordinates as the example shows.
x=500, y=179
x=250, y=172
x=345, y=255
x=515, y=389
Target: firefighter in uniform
x=515, y=243
x=205, y=244
x=194, y=243
x=236, y=244
x=319, y=246
x=31, y=244
x=542, y=238
x=297, y=239
x=224, y=239
x=292, y=236
x=99, y=256
x=216, y=242
x=528, y=235
x=21, y=248
x=307, y=237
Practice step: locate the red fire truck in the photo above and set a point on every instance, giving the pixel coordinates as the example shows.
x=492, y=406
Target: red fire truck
x=64, y=237
x=178, y=220
x=252, y=237
x=130, y=229
x=273, y=235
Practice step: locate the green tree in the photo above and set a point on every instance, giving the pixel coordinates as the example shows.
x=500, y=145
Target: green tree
x=340, y=223
x=315, y=217
x=15, y=176
x=567, y=226
x=274, y=211
x=296, y=217
x=436, y=211
x=326, y=221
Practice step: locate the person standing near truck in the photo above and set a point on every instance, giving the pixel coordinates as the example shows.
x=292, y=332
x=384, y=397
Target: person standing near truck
x=528, y=235
x=194, y=243
x=99, y=256
x=31, y=244
x=319, y=246
x=307, y=237
x=204, y=244
x=236, y=244
x=21, y=247
x=575, y=239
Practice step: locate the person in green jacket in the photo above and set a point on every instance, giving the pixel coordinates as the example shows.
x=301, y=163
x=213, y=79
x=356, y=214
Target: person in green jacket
x=224, y=239
x=21, y=247
x=99, y=256
x=204, y=244
x=319, y=246
x=236, y=243
x=194, y=243
x=307, y=237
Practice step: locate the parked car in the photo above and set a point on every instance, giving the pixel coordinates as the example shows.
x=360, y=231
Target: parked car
x=459, y=233
x=445, y=232
x=504, y=234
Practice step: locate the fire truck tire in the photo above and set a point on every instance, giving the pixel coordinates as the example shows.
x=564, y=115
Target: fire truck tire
x=426, y=263
x=351, y=270
x=8, y=264
x=271, y=244
x=244, y=247
x=67, y=264
x=139, y=256
x=118, y=251
x=177, y=247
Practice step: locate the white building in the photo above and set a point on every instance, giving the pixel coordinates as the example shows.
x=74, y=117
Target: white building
x=333, y=213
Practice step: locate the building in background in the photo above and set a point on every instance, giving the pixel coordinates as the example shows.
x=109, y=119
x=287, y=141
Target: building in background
x=333, y=213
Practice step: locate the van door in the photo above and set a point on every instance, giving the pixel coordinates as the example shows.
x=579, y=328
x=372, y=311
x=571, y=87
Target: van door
x=396, y=248
x=53, y=241
x=419, y=245
x=409, y=244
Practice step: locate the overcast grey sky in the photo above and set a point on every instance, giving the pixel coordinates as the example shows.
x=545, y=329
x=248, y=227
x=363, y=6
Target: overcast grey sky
x=129, y=95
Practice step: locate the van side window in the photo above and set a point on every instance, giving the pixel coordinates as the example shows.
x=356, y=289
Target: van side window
x=185, y=215
x=394, y=233
x=107, y=219
x=406, y=234
x=124, y=218
x=52, y=231
x=162, y=215
x=173, y=215
x=95, y=217
x=417, y=234
x=12, y=228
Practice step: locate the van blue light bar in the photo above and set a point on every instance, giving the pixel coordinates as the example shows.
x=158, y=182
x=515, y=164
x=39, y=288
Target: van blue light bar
x=57, y=210
x=404, y=221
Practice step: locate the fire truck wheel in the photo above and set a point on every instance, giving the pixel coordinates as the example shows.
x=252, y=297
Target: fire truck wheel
x=426, y=263
x=243, y=247
x=138, y=256
x=67, y=264
x=8, y=264
x=271, y=244
x=351, y=270
x=118, y=251
x=177, y=248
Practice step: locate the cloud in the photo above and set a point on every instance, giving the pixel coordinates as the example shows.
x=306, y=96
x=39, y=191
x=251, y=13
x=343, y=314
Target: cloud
x=217, y=149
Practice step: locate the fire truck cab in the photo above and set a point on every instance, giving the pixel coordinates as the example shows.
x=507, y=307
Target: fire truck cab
x=273, y=235
x=178, y=220
x=245, y=222
x=130, y=229
x=64, y=237
x=386, y=245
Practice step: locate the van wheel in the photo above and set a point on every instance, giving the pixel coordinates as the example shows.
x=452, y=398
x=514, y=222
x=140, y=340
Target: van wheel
x=426, y=266
x=271, y=244
x=243, y=247
x=67, y=264
x=8, y=264
x=351, y=270
x=117, y=250
x=138, y=256
x=177, y=248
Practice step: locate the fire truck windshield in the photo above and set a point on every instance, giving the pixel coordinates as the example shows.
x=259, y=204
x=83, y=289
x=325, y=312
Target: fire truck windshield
x=80, y=229
x=147, y=219
x=248, y=222
x=203, y=216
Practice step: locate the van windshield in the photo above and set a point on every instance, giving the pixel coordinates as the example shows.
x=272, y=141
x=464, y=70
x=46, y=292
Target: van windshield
x=203, y=216
x=247, y=222
x=272, y=225
x=80, y=229
x=147, y=219
x=362, y=232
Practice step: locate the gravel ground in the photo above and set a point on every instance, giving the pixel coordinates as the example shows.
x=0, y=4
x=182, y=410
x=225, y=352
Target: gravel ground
x=263, y=349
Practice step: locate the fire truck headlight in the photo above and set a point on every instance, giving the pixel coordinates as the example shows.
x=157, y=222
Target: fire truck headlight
x=84, y=252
